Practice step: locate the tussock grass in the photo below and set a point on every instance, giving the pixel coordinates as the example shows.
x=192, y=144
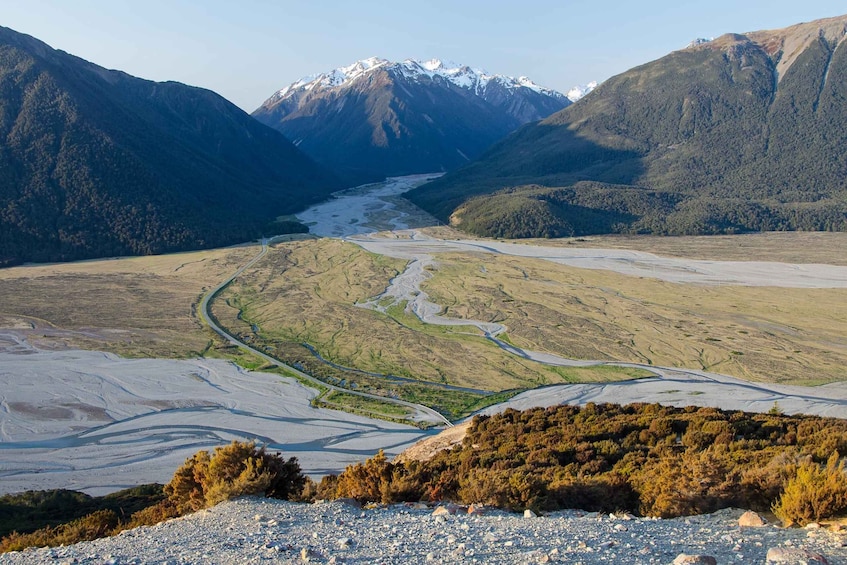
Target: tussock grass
x=306, y=292
x=757, y=333
x=135, y=306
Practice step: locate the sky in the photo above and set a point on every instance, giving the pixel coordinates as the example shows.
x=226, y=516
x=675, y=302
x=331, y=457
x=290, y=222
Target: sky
x=248, y=49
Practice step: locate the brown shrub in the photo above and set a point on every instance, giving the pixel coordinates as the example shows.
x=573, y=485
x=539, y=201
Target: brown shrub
x=237, y=469
x=366, y=482
x=815, y=492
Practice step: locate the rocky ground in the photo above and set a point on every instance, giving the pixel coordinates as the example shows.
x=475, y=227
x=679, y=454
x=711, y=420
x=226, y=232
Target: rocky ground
x=257, y=530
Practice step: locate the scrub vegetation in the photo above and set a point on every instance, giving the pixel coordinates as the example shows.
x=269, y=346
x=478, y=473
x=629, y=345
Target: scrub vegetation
x=645, y=458
x=50, y=518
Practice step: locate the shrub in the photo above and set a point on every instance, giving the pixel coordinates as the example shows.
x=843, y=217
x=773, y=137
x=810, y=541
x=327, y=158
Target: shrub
x=366, y=481
x=93, y=526
x=152, y=515
x=651, y=459
x=238, y=469
x=814, y=493
x=203, y=480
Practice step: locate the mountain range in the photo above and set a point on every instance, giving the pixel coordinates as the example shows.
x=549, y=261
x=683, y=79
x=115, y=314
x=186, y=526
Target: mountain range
x=95, y=162
x=377, y=118
x=743, y=132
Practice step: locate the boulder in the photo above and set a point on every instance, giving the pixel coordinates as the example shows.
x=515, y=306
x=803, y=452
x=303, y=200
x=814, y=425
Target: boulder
x=751, y=519
x=794, y=556
x=350, y=502
x=446, y=509
x=529, y=514
x=685, y=559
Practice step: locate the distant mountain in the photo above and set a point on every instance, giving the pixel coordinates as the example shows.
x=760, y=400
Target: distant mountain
x=376, y=118
x=578, y=92
x=743, y=132
x=96, y=162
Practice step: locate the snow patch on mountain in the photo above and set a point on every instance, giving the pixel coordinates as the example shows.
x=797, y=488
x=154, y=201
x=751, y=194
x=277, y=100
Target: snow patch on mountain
x=474, y=79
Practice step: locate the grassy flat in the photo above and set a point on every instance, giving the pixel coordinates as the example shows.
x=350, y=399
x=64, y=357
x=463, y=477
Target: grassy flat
x=134, y=306
x=307, y=292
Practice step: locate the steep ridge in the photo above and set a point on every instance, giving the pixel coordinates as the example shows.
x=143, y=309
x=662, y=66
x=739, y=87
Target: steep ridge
x=376, y=118
x=743, y=132
x=95, y=162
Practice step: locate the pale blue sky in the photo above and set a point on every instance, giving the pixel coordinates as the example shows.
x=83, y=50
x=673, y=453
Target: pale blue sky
x=248, y=49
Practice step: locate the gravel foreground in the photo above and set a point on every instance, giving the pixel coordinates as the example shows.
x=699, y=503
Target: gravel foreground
x=252, y=530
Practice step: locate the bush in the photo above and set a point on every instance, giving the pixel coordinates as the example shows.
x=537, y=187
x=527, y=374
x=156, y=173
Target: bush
x=365, y=481
x=814, y=493
x=238, y=469
x=93, y=526
x=203, y=480
x=645, y=458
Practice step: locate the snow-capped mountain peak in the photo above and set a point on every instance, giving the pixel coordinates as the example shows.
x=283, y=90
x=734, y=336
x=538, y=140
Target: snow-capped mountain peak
x=473, y=79
x=438, y=64
x=378, y=118
x=578, y=92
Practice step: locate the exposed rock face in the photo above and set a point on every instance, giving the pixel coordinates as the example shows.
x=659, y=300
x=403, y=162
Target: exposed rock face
x=425, y=449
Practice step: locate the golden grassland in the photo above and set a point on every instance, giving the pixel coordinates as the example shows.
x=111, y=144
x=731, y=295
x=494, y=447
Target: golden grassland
x=307, y=292
x=134, y=306
x=757, y=333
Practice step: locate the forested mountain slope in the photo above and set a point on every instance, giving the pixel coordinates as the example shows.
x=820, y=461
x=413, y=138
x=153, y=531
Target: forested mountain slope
x=745, y=132
x=95, y=162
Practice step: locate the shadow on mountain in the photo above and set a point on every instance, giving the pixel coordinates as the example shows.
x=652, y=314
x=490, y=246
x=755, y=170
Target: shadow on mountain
x=543, y=181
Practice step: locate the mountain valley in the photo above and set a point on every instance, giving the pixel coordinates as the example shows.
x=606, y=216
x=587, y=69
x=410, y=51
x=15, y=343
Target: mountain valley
x=376, y=118
x=568, y=283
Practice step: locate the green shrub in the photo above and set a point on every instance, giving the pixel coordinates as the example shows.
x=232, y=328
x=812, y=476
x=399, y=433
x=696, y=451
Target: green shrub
x=93, y=526
x=814, y=493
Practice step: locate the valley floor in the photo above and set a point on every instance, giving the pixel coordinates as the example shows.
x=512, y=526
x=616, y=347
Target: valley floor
x=96, y=422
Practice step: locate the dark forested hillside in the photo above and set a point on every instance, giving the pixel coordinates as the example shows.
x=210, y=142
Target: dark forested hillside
x=95, y=162
x=746, y=132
